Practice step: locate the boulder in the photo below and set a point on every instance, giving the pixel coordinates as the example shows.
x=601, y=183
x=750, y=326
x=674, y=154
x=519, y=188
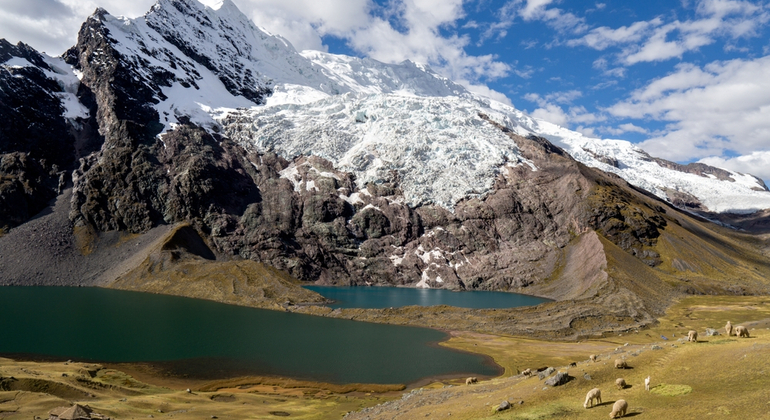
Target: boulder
x=560, y=378
x=546, y=373
x=505, y=405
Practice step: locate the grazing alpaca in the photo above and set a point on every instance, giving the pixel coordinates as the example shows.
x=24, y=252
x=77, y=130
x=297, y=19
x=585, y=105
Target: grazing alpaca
x=527, y=372
x=620, y=364
x=741, y=331
x=592, y=357
x=647, y=383
x=620, y=383
x=471, y=380
x=729, y=328
x=692, y=336
x=594, y=394
x=619, y=409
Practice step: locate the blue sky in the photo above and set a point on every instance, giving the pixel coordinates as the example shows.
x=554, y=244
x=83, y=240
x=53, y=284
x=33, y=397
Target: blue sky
x=688, y=80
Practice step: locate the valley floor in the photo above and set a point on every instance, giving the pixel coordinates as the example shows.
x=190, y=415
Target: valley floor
x=717, y=377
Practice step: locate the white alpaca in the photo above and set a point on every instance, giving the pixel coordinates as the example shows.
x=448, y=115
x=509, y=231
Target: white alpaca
x=592, y=357
x=620, y=383
x=619, y=409
x=729, y=328
x=692, y=336
x=471, y=380
x=741, y=331
x=594, y=394
x=647, y=383
x=620, y=364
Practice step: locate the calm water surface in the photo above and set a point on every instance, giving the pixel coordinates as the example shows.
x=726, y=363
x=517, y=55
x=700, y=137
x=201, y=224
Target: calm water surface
x=208, y=339
x=386, y=297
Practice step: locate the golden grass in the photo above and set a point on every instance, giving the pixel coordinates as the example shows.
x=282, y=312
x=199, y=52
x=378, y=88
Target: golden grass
x=288, y=383
x=85, y=238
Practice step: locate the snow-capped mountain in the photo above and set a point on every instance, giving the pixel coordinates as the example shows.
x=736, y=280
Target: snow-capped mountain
x=342, y=170
x=214, y=67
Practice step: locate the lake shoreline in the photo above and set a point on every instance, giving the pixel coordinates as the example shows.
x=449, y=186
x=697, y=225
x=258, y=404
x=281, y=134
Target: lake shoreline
x=204, y=340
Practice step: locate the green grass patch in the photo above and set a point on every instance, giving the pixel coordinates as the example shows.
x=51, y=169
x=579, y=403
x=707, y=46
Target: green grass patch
x=545, y=411
x=671, y=390
x=722, y=341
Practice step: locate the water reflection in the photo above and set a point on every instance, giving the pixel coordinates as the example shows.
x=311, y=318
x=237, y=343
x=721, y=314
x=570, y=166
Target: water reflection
x=386, y=297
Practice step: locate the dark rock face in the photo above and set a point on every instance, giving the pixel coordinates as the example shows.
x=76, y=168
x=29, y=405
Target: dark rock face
x=633, y=227
x=122, y=94
x=26, y=187
x=36, y=142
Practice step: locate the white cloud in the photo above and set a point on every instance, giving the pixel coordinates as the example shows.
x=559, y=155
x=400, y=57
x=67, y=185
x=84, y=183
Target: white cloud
x=657, y=40
x=538, y=10
x=552, y=113
x=631, y=128
x=622, y=129
x=550, y=109
x=755, y=163
x=603, y=37
x=724, y=105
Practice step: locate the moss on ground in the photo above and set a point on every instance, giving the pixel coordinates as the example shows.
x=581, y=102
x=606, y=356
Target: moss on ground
x=670, y=390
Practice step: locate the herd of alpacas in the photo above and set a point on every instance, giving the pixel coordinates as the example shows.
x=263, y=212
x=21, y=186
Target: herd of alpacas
x=620, y=407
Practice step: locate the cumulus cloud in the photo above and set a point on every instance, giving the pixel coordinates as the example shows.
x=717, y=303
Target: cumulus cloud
x=52, y=25
x=724, y=105
x=755, y=163
x=603, y=37
x=623, y=129
x=551, y=109
x=658, y=40
x=539, y=10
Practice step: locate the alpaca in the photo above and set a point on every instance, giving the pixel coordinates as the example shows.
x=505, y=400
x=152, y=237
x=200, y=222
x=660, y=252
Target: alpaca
x=741, y=331
x=592, y=357
x=729, y=328
x=594, y=394
x=527, y=372
x=647, y=383
x=619, y=409
x=620, y=364
x=620, y=383
x=471, y=380
x=692, y=336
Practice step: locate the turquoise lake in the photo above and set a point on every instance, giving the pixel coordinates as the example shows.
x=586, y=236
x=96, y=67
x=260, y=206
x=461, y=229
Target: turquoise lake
x=205, y=339
x=386, y=297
